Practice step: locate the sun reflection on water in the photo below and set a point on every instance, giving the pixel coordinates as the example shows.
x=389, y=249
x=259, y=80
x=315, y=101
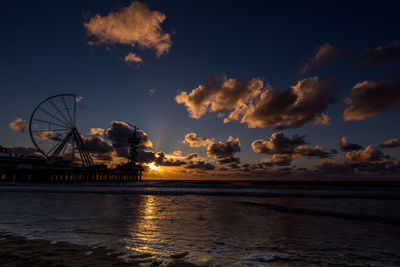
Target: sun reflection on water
x=145, y=234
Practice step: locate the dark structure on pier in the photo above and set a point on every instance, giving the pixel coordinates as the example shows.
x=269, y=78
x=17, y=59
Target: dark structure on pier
x=53, y=132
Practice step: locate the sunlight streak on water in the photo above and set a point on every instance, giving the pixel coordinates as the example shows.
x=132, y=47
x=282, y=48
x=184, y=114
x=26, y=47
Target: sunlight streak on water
x=146, y=229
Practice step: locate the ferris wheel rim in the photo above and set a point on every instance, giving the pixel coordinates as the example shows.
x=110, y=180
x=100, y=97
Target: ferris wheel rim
x=72, y=120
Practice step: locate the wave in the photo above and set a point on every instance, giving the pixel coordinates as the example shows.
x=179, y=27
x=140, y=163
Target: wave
x=333, y=214
x=209, y=191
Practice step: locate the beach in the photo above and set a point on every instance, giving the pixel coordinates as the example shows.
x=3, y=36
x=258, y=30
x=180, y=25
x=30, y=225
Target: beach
x=20, y=251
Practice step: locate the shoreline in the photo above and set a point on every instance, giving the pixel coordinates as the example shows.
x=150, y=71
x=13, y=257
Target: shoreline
x=20, y=251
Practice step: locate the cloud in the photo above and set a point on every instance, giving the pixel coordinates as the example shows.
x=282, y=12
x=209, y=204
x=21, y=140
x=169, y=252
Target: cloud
x=96, y=131
x=322, y=119
x=48, y=135
x=146, y=156
x=306, y=151
x=196, y=141
x=135, y=25
x=152, y=91
x=97, y=145
x=346, y=146
x=391, y=143
x=120, y=132
x=323, y=56
x=99, y=148
x=161, y=160
x=192, y=156
x=381, y=55
x=334, y=166
x=18, y=125
x=278, y=143
x=284, y=149
x=78, y=99
x=257, y=106
x=229, y=160
x=292, y=108
x=220, y=150
x=177, y=153
x=282, y=160
x=219, y=93
x=372, y=98
x=223, y=152
x=200, y=165
x=370, y=153
x=132, y=57
x=23, y=150
x=369, y=160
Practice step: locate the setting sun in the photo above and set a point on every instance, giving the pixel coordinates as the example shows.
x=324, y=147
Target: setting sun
x=153, y=166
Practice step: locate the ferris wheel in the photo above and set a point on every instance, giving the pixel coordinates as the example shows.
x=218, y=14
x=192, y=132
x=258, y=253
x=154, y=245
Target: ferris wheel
x=53, y=130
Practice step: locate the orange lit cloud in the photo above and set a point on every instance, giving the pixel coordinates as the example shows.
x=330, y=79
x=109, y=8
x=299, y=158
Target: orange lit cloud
x=219, y=93
x=177, y=153
x=284, y=149
x=371, y=153
x=97, y=131
x=18, y=125
x=220, y=150
x=395, y=142
x=370, y=99
x=49, y=135
x=132, y=57
x=196, y=141
x=251, y=103
x=134, y=25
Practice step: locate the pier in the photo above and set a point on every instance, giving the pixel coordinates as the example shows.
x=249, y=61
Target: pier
x=69, y=175
x=61, y=153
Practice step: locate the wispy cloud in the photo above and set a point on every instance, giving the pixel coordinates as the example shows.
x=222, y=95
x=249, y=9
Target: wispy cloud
x=381, y=55
x=323, y=56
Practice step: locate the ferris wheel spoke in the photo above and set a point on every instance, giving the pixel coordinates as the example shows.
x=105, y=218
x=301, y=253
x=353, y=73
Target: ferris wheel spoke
x=61, y=146
x=49, y=122
x=67, y=108
x=63, y=150
x=73, y=149
x=58, y=144
x=41, y=142
x=53, y=116
x=59, y=111
x=75, y=110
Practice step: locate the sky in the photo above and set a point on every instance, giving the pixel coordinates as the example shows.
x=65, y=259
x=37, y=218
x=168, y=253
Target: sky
x=218, y=89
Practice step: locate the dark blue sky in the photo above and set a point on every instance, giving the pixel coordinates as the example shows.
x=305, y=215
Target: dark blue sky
x=45, y=51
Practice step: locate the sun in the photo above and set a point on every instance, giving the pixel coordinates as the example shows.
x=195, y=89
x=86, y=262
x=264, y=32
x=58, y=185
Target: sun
x=153, y=166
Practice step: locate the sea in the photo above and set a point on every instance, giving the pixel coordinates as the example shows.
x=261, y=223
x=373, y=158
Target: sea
x=215, y=223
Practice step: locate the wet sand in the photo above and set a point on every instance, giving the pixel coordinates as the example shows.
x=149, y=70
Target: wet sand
x=19, y=251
